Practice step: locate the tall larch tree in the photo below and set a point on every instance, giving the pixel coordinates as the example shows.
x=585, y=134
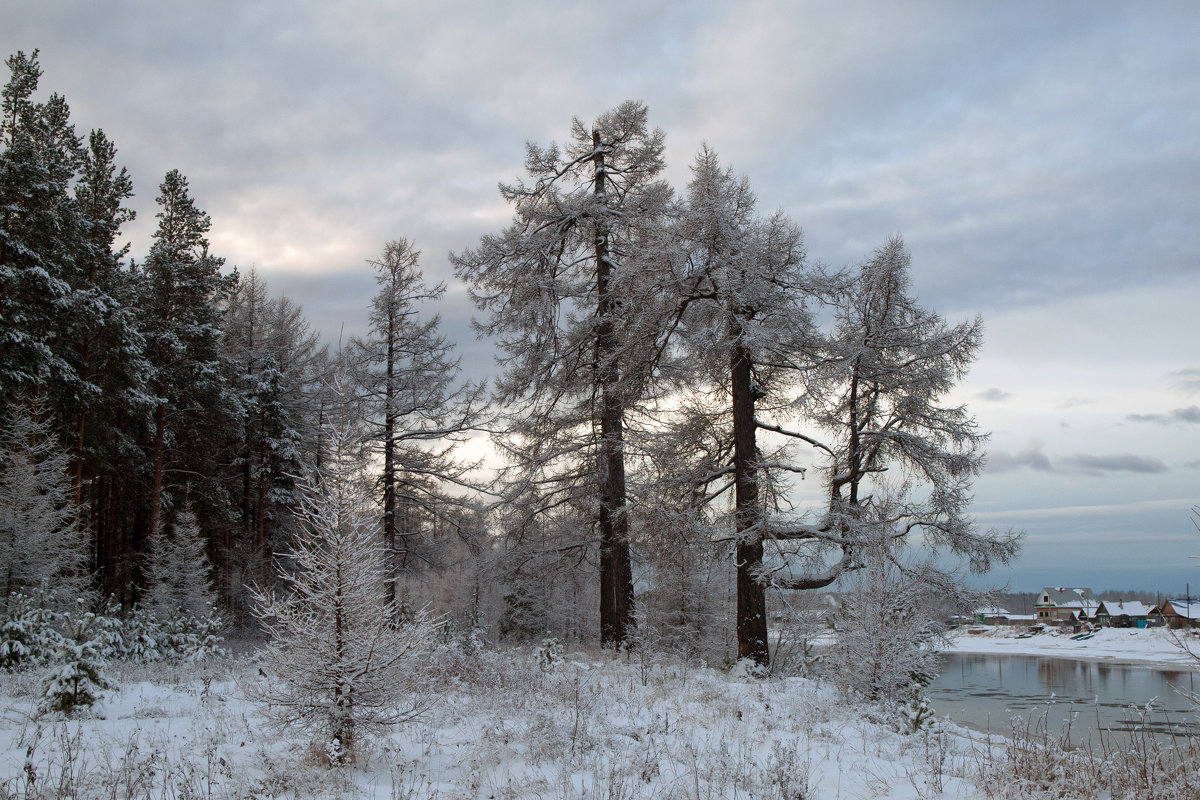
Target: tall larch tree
x=559, y=292
x=417, y=409
x=896, y=456
x=745, y=335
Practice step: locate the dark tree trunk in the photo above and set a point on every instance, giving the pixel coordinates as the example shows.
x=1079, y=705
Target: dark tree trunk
x=156, y=481
x=751, y=596
x=616, y=572
x=389, y=474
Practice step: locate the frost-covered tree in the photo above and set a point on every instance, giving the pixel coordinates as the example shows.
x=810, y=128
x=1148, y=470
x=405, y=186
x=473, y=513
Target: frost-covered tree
x=566, y=291
x=337, y=665
x=177, y=571
x=746, y=338
x=877, y=397
x=887, y=627
x=417, y=409
x=42, y=548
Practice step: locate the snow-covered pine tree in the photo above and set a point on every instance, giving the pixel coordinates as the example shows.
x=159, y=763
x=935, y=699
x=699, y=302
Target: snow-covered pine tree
x=337, y=665
x=177, y=573
x=39, y=157
x=41, y=546
x=182, y=291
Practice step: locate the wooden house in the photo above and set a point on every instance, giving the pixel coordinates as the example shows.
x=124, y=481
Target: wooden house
x=1182, y=612
x=1125, y=613
x=1065, y=605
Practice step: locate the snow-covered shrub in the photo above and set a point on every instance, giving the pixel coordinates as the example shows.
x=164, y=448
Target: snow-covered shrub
x=142, y=636
x=918, y=713
x=886, y=628
x=77, y=677
x=548, y=653
x=28, y=633
x=747, y=668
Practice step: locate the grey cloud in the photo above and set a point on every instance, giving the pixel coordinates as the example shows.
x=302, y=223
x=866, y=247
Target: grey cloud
x=1192, y=464
x=1189, y=415
x=995, y=395
x=1187, y=379
x=1031, y=457
x=1123, y=462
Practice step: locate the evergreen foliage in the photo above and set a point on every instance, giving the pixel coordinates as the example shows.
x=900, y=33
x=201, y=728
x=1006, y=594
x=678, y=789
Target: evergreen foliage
x=77, y=677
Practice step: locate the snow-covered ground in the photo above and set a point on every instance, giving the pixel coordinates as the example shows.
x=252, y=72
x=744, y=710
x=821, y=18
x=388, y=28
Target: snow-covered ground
x=1154, y=645
x=501, y=727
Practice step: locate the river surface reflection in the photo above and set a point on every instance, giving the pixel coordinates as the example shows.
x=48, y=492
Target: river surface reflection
x=988, y=692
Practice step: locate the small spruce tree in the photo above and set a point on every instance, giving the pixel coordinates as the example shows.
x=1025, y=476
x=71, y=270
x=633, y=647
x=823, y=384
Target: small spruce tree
x=77, y=677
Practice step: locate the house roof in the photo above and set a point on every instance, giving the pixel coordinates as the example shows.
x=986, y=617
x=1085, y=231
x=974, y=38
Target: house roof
x=991, y=611
x=1066, y=597
x=1132, y=608
x=1185, y=607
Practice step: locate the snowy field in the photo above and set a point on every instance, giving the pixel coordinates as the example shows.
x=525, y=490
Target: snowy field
x=499, y=726
x=1153, y=645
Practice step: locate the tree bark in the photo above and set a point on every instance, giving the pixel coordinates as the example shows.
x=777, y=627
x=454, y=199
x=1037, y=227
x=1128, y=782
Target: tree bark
x=156, y=483
x=751, y=596
x=389, y=472
x=616, y=573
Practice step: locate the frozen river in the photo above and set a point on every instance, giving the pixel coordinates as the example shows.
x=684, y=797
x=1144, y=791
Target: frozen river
x=987, y=691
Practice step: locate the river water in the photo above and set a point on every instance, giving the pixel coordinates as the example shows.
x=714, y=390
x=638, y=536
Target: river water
x=995, y=692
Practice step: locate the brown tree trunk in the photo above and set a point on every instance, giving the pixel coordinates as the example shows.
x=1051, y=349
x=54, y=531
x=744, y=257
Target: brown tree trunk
x=751, y=596
x=616, y=572
x=389, y=476
x=156, y=483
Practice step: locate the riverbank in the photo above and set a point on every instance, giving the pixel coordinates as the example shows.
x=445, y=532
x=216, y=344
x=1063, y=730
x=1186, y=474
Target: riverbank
x=1132, y=645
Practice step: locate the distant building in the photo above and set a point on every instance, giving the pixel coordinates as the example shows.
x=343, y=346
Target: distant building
x=1058, y=604
x=1000, y=616
x=1181, y=612
x=1125, y=613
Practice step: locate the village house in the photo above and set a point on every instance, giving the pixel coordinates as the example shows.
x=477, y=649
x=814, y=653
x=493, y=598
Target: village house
x=1001, y=616
x=1181, y=612
x=1125, y=613
x=1061, y=605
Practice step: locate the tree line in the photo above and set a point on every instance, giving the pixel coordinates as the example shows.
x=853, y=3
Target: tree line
x=671, y=366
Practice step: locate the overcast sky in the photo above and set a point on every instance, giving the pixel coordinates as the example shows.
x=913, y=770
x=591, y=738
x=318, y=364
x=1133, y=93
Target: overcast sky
x=1042, y=161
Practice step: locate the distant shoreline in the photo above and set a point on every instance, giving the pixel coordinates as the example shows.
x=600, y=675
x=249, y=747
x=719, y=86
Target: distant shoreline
x=1144, y=646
